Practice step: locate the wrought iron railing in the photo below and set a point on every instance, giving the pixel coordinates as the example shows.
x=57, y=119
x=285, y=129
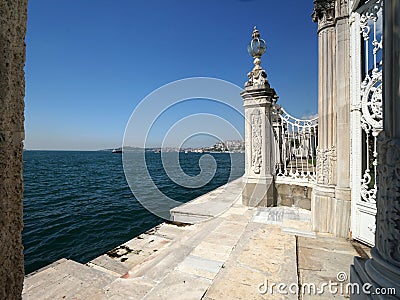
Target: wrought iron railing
x=295, y=146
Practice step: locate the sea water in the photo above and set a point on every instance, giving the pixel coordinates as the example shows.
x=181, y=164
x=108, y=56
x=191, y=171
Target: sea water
x=78, y=205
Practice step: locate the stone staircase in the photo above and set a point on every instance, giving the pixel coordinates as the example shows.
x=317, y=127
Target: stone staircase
x=170, y=261
x=66, y=279
x=105, y=277
x=227, y=257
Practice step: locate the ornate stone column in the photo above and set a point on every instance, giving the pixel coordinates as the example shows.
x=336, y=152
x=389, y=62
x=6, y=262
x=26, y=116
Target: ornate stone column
x=342, y=108
x=13, y=16
x=258, y=98
x=324, y=191
x=330, y=199
x=383, y=269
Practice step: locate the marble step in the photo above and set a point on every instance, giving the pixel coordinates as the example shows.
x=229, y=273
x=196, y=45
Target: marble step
x=66, y=279
x=108, y=265
x=292, y=220
x=209, y=205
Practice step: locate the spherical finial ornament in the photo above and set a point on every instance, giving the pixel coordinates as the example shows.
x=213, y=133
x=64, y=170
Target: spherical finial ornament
x=257, y=76
x=257, y=46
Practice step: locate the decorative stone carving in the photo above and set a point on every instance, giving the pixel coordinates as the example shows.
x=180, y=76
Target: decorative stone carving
x=324, y=11
x=256, y=141
x=332, y=165
x=326, y=165
x=321, y=162
x=382, y=270
x=388, y=214
x=342, y=9
x=257, y=76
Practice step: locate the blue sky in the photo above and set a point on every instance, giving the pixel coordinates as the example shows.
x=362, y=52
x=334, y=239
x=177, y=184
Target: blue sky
x=89, y=63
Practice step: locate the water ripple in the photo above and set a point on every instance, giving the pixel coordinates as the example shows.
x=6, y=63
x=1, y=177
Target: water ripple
x=78, y=204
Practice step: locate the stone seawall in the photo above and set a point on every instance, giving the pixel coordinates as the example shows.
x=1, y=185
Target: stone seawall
x=170, y=254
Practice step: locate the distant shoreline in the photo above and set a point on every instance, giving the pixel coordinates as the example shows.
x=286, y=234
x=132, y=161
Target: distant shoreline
x=153, y=150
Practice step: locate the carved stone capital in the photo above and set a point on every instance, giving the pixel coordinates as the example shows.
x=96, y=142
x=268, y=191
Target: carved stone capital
x=259, y=97
x=324, y=12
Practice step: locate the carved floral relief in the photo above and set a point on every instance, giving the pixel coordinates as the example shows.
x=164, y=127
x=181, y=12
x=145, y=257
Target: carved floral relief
x=326, y=165
x=388, y=203
x=256, y=150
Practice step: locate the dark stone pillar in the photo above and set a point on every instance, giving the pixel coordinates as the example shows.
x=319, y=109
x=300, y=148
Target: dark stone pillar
x=383, y=269
x=13, y=16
